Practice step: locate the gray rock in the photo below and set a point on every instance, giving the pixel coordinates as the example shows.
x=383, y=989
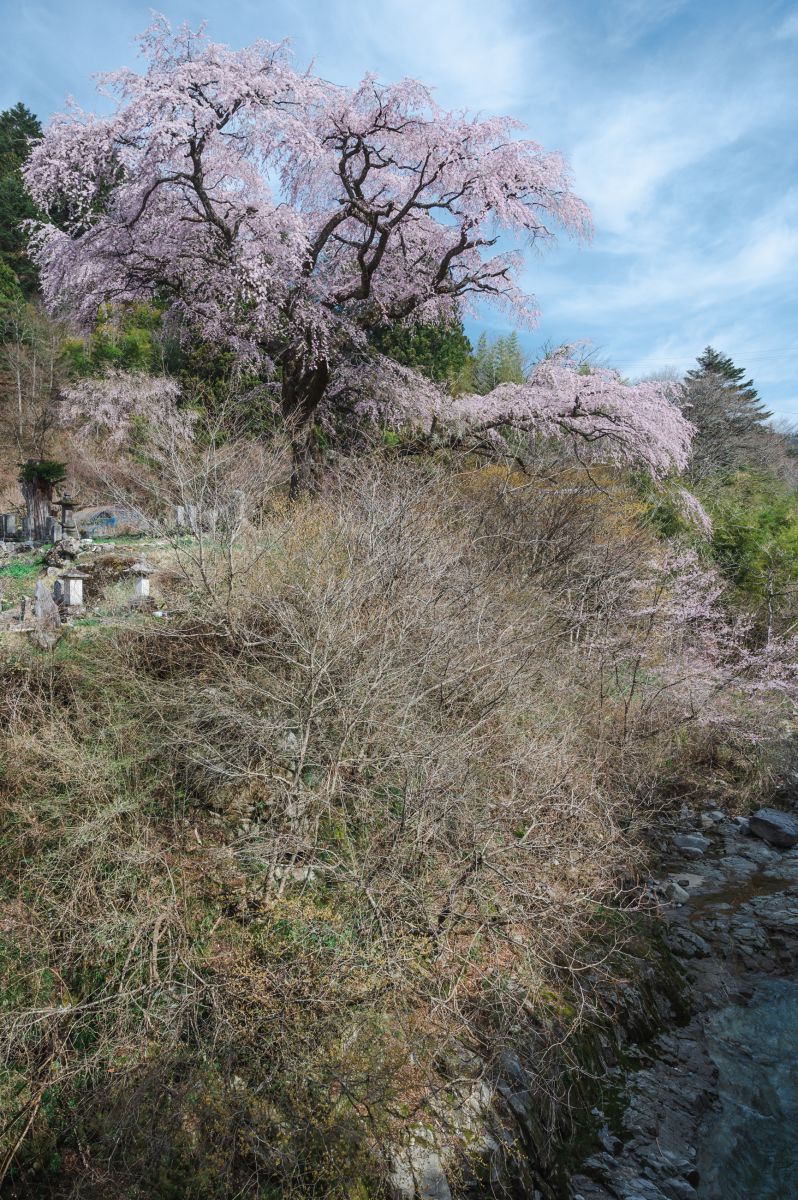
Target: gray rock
x=608, y=1140
x=676, y=893
x=757, y=852
x=62, y=552
x=692, y=845
x=401, y=1183
x=691, y=944
x=777, y=828
x=431, y=1183
x=688, y=880
x=642, y=1189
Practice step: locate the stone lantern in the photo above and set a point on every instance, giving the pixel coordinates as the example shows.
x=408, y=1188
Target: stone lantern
x=141, y=572
x=72, y=590
x=68, y=526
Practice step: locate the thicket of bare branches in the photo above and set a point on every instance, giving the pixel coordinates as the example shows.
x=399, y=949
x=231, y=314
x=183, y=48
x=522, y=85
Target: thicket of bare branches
x=369, y=805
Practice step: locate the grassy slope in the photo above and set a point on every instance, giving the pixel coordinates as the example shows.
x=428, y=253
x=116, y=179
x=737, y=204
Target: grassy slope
x=273, y=867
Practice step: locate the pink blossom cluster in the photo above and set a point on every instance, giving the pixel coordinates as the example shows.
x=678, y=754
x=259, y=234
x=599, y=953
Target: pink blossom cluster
x=694, y=512
x=109, y=406
x=714, y=659
x=273, y=207
x=615, y=422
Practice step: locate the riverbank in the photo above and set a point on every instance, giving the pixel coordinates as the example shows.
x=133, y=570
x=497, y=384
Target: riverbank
x=704, y=1113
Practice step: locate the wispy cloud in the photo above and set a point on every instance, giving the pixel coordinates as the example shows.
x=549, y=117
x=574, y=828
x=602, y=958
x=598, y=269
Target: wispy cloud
x=789, y=26
x=476, y=55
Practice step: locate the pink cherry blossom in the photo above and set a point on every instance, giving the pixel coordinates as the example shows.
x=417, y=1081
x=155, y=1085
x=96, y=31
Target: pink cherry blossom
x=284, y=216
x=108, y=406
x=610, y=420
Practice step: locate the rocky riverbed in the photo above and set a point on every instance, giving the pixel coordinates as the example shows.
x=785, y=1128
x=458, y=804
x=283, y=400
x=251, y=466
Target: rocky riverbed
x=712, y=1106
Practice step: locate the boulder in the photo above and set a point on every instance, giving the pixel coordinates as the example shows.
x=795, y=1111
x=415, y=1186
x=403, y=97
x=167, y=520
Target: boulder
x=676, y=893
x=692, y=845
x=774, y=827
x=62, y=552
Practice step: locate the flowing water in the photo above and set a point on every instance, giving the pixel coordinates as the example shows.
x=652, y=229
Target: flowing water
x=749, y=1150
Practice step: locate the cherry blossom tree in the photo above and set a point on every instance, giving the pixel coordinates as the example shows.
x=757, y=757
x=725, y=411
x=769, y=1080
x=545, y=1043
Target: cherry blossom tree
x=113, y=406
x=592, y=407
x=287, y=216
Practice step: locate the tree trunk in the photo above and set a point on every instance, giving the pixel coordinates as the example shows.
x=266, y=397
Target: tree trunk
x=303, y=390
x=38, y=496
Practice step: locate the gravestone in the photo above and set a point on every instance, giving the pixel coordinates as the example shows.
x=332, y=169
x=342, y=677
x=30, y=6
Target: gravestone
x=46, y=618
x=72, y=596
x=68, y=524
x=141, y=571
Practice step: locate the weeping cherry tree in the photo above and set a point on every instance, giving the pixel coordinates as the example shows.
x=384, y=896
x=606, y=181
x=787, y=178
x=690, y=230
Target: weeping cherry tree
x=285, y=216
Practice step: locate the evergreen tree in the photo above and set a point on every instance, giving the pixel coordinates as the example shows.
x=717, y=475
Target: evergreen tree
x=17, y=126
x=729, y=416
x=499, y=361
x=743, y=405
x=440, y=349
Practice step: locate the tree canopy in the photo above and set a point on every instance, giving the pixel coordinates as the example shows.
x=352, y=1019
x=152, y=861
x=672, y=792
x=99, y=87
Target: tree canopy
x=729, y=417
x=18, y=128
x=288, y=218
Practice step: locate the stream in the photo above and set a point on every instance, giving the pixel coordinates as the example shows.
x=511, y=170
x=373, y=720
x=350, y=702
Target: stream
x=712, y=1114
x=749, y=1147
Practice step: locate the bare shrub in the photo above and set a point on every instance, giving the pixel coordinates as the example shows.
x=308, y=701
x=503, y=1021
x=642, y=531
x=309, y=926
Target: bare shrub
x=361, y=819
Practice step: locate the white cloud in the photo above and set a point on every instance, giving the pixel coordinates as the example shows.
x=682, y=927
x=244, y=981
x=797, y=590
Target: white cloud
x=641, y=141
x=694, y=279
x=473, y=54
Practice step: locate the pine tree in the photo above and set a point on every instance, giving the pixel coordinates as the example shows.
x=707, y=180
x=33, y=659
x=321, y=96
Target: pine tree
x=729, y=416
x=17, y=126
x=743, y=407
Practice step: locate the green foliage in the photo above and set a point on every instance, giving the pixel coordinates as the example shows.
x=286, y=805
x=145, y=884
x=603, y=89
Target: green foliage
x=10, y=291
x=440, y=350
x=17, y=126
x=755, y=539
x=44, y=471
x=12, y=301
x=129, y=338
x=498, y=361
x=20, y=570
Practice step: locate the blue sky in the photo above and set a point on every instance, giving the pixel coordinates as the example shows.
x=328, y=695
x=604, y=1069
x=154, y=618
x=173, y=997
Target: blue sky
x=680, y=120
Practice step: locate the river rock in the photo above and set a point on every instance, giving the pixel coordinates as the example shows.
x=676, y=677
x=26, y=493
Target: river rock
x=692, y=845
x=777, y=828
x=676, y=893
x=688, y=880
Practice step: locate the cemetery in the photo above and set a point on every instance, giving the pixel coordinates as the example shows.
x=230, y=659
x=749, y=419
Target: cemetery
x=50, y=575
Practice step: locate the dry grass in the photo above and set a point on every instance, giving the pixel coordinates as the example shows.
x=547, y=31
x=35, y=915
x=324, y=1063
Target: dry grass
x=371, y=806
